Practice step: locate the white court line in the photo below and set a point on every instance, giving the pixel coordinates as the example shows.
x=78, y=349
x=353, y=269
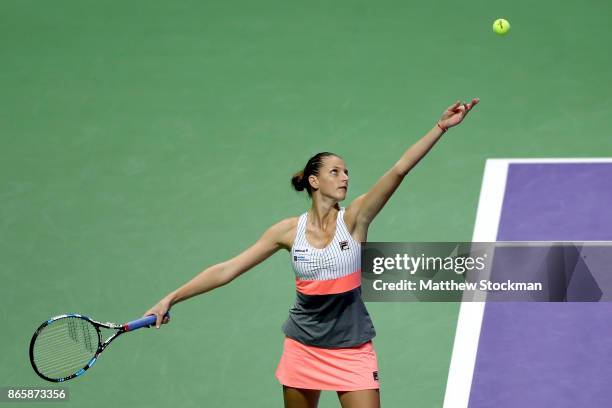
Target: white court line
x=465, y=347
x=467, y=333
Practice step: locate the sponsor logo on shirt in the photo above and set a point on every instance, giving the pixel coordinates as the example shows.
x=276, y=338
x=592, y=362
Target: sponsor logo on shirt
x=344, y=245
x=300, y=255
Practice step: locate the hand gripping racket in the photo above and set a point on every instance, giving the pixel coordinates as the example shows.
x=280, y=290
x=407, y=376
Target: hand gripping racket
x=65, y=346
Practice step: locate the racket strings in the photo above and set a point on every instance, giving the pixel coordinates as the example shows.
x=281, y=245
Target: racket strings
x=65, y=346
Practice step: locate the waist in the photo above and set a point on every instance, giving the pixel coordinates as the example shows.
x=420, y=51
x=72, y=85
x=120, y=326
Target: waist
x=329, y=286
x=330, y=321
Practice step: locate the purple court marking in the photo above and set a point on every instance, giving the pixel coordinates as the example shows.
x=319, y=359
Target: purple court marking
x=549, y=354
x=560, y=201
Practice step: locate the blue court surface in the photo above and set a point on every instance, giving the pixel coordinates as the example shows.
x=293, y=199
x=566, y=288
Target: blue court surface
x=537, y=354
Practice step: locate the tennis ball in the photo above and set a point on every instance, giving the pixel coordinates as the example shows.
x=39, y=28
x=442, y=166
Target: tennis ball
x=501, y=26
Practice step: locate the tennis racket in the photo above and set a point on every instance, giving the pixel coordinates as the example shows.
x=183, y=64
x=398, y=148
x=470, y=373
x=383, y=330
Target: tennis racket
x=66, y=346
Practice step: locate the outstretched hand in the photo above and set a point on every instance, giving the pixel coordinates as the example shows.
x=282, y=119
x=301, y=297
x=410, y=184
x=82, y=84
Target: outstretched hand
x=455, y=113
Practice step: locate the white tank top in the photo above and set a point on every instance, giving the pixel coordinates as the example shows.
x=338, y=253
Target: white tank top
x=341, y=257
x=328, y=310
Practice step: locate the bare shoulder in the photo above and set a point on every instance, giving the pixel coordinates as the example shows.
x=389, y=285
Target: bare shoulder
x=283, y=231
x=285, y=225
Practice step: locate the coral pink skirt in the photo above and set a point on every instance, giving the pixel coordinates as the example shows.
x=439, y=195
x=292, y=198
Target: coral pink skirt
x=340, y=369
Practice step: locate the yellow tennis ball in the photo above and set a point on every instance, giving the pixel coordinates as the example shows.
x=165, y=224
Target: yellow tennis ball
x=501, y=26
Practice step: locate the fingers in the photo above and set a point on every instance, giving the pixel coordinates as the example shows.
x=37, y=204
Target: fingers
x=463, y=107
x=472, y=104
x=161, y=317
x=161, y=311
x=453, y=107
x=466, y=107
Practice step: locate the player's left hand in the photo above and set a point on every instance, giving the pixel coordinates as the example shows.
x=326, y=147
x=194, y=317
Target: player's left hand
x=455, y=113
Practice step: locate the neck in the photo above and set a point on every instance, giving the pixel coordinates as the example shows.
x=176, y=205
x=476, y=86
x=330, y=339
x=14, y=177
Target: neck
x=323, y=213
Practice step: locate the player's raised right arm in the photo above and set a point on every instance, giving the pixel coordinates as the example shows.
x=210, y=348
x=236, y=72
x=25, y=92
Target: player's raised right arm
x=275, y=238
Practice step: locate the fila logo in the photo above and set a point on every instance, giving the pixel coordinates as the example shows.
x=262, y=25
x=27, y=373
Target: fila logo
x=375, y=375
x=344, y=245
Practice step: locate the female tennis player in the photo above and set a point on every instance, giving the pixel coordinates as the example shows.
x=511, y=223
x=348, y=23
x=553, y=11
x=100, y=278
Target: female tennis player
x=328, y=343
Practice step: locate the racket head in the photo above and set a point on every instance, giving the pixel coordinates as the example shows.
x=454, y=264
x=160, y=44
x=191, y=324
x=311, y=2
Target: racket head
x=64, y=347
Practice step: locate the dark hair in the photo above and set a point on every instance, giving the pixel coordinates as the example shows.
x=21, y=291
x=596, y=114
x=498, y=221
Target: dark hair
x=300, y=179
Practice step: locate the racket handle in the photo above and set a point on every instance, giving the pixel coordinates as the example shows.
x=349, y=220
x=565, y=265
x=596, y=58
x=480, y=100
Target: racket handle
x=140, y=323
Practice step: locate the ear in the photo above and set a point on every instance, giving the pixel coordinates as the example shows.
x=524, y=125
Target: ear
x=314, y=181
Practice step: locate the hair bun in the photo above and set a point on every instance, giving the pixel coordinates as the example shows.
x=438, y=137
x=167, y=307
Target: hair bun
x=298, y=181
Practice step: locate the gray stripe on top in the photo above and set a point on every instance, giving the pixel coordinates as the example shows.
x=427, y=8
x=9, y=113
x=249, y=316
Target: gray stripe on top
x=330, y=321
